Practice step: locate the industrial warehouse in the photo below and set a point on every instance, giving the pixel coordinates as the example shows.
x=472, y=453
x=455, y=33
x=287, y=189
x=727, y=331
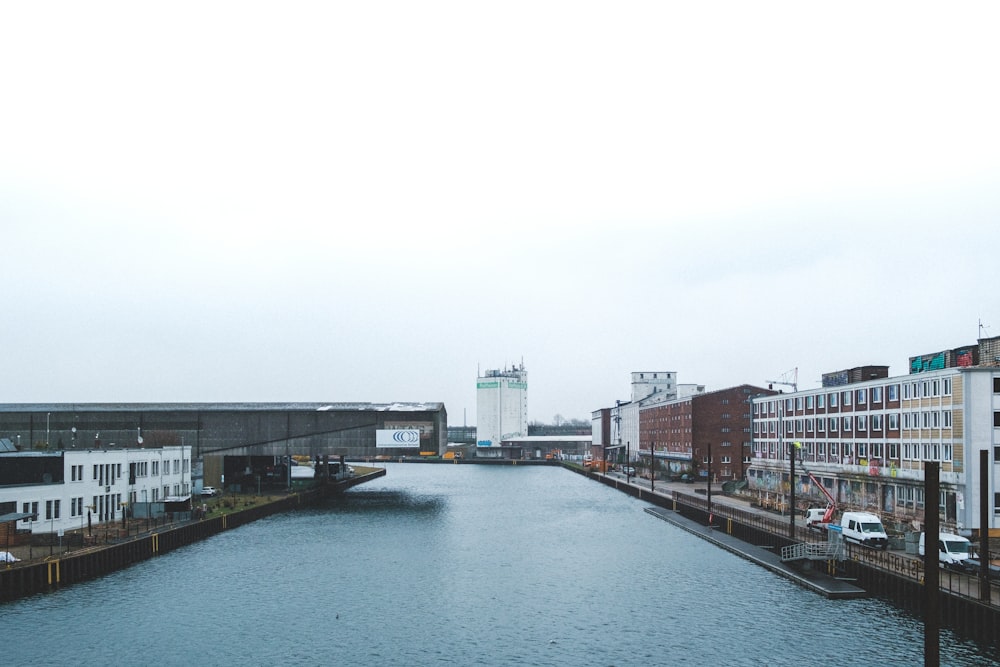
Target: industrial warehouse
x=243, y=445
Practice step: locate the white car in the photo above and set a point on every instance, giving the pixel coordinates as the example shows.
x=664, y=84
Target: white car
x=209, y=491
x=628, y=470
x=8, y=557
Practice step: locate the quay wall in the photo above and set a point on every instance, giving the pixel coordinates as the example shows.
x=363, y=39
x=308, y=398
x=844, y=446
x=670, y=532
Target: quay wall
x=886, y=575
x=22, y=580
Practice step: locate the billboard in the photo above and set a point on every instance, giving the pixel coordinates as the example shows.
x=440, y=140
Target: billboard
x=398, y=437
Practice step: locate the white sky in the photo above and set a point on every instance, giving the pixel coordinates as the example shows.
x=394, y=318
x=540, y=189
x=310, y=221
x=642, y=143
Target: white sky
x=369, y=201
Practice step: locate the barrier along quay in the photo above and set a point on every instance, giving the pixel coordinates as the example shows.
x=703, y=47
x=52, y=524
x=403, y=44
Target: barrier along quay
x=107, y=548
x=967, y=605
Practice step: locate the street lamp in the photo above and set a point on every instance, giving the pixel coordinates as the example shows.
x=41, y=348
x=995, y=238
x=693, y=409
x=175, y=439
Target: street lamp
x=709, y=486
x=652, y=466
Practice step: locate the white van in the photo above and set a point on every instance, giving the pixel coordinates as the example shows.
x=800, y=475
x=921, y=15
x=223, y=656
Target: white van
x=864, y=528
x=954, y=551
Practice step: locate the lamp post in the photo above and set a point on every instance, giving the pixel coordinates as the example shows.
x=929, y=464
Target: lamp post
x=791, y=489
x=628, y=464
x=709, y=486
x=652, y=467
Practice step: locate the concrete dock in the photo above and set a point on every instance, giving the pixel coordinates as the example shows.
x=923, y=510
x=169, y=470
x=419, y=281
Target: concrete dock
x=807, y=576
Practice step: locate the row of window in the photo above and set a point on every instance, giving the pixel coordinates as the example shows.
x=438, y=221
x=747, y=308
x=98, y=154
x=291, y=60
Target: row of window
x=922, y=419
x=862, y=453
x=861, y=396
x=53, y=507
x=106, y=473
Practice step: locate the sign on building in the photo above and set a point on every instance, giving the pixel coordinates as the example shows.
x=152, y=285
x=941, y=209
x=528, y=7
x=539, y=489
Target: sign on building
x=408, y=437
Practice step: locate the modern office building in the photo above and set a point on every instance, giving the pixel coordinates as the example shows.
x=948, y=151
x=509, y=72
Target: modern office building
x=55, y=491
x=866, y=437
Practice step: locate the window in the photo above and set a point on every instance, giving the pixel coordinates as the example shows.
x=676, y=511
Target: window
x=876, y=394
x=845, y=398
x=996, y=385
x=862, y=396
x=893, y=392
x=809, y=425
x=862, y=425
x=946, y=384
x=30, y=508
x=847, y=424
x=51, y=509
x=946, y=418
x=876, y=422
x=996, y=419
x=833, y=449
x=833, y=400
x=798, y=402
x=833, y=424
x=893, y=421
x=862, y=450
x=726, y=459
x=821, y=401
x=809, y=402
x=821, y=448
x=821, y=425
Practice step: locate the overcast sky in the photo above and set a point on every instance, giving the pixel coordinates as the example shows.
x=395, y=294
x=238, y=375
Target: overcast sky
x=372, y=201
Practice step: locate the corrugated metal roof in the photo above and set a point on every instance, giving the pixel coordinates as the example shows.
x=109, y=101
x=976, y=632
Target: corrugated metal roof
x=214, y=407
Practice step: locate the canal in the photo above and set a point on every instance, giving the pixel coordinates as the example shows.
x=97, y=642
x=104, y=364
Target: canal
x=462, y=565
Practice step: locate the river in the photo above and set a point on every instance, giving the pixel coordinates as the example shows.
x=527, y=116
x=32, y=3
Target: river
x=461, y=565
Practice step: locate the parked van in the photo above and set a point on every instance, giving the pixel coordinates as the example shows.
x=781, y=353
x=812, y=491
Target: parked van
x=954, y=551
x=864, y=528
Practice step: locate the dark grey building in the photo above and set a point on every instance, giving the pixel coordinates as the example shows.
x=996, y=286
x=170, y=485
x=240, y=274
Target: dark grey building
x=218, y=430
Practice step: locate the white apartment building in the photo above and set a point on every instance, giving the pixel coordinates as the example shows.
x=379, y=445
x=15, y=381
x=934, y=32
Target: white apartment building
x=63, y=488
x=648, y=388
x=867, y=442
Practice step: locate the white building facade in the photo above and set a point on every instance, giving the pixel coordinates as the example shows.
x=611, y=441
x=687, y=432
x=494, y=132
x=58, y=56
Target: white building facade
x=647, y=388
x=95, y=485
x=867, y=443
x=501, y=406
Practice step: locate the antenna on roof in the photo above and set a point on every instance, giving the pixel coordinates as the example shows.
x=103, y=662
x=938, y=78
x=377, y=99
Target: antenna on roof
x=982, y=327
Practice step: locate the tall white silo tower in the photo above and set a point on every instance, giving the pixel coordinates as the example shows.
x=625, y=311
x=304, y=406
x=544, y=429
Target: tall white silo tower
x=501, y=406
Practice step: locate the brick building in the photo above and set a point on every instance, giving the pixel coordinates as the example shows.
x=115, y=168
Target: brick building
x=681, y=432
